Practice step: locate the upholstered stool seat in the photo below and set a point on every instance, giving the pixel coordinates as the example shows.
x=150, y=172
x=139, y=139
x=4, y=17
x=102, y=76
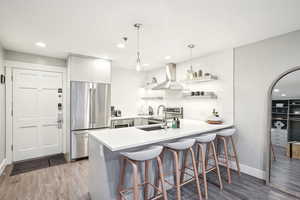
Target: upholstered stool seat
x=226, y=132
x=205, y=138
x=144, y=154
x=180, y=144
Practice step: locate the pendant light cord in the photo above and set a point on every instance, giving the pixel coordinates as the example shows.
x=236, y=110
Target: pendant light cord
x=138, y=41
x=191, y=46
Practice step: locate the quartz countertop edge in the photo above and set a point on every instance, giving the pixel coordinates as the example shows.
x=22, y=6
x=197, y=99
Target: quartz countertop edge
x=132, y=137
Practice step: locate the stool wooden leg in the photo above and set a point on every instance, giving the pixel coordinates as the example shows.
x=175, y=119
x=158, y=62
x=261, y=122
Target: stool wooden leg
x=122, y=177
x=162, y=178
x=207, y=154
x=226, y=159
x=135, y=179
x=217, y=165
x=203, y=166
x=146, y=187
x=185, y=162
x=235, y=155
x=157, y=182
x=177, y=174
x=195, y=172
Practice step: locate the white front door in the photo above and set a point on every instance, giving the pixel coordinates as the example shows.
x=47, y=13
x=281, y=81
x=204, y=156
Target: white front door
x=35, y=114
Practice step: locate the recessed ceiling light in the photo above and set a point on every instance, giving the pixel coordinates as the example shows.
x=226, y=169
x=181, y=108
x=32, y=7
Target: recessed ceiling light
x=121, y=45
x=168, y=57
x=146, y=64
x=283, y=95
x=40, y=44
x=276, y=90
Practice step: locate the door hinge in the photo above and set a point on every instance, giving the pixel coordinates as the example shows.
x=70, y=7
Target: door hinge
x=12, y=147
x=12, y=78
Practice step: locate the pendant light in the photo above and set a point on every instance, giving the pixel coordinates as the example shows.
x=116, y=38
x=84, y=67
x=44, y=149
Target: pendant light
x=138, y=60
x=191, y=46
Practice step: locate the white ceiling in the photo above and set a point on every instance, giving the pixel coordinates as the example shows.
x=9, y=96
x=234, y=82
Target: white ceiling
x=94, y=27
x=289, y=85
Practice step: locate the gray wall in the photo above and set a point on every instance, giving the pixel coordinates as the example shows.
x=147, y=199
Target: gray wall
x=256, y=67
x=2, y=109
x=36, y=59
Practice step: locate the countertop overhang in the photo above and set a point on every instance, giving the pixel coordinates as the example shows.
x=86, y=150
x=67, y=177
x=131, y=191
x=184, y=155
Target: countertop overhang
x=132, y=137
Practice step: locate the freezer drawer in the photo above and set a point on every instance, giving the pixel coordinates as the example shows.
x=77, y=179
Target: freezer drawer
x=79, y=144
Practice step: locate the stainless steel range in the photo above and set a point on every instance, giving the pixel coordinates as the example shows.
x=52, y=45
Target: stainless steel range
x=168, y=113
x=171, y=112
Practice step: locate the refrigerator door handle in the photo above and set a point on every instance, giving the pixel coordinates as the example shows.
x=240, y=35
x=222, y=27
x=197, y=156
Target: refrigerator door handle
x=90, y=108
x=93, y=105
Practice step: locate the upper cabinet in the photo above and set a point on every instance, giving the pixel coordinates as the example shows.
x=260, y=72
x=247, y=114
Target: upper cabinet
x=89, y=69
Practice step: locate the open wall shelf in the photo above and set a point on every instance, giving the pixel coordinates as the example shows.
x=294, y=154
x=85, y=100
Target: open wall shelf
x=287, y=112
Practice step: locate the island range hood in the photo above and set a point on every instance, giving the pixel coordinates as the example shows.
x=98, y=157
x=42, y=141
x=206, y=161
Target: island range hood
x=170, y=83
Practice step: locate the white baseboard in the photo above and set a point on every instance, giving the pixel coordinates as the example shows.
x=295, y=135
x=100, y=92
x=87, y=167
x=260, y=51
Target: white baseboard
x=2, y=166
x=260, y=174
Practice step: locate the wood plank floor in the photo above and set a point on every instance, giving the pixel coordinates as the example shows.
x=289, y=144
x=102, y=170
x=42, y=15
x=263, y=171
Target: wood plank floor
x=285, y=172
x=69, y=182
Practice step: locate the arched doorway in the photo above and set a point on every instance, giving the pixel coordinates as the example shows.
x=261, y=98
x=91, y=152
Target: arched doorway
x=283, y=164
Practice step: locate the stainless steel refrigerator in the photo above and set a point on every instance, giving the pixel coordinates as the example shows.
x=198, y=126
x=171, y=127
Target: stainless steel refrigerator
x=90, y=109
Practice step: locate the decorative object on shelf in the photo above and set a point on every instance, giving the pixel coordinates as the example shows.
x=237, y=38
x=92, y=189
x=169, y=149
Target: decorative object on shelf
x=279, y=125
x=138, y=60
x=199, y=73
x=214, y=118
x=201, y=79
x=199, y=94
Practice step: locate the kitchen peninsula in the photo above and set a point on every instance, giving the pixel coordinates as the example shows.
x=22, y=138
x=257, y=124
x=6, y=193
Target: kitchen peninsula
x=105, y=145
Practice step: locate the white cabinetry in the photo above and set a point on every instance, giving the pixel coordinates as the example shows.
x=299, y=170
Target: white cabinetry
x=279, y=137
x=89, y=69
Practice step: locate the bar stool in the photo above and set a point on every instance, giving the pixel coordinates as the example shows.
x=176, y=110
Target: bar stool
x=183, y=145
x=226, y=135
x=134, y=158
x=208, y=140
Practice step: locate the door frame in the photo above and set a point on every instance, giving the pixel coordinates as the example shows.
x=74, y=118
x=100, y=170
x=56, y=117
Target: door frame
x=9, y=66
x=269, y=126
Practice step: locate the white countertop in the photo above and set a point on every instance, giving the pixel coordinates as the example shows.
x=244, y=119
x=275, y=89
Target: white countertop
x=131, y=137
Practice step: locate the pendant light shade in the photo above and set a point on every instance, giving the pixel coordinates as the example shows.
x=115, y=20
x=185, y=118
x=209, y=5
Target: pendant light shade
x=138, y=60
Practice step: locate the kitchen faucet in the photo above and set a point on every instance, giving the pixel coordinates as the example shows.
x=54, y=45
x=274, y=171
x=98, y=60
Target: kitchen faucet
x=160, y=106
x=164, y=116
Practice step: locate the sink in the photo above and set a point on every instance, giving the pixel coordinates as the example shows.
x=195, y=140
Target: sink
x=150, y=128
